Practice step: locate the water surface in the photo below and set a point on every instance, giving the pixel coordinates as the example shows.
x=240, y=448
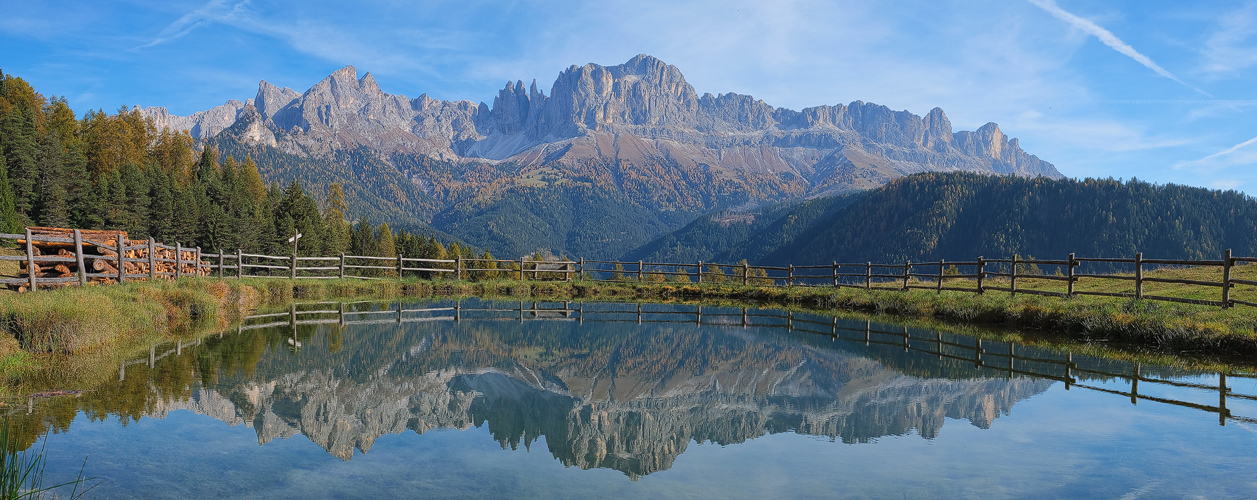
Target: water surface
x=489, y=399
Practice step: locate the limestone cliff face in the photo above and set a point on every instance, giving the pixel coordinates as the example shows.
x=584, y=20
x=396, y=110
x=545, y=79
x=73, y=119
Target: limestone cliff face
x=642, y=111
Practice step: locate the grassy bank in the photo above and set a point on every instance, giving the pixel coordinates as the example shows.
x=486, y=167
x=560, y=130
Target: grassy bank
x=81, y=334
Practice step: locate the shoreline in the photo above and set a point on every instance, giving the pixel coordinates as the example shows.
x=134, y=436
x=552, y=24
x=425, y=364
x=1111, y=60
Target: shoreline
x=85, y=332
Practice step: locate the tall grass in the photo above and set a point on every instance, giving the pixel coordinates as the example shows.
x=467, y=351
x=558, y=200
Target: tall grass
x=22, y=472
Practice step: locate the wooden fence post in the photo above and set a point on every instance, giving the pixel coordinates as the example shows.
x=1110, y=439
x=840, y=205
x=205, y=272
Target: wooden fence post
x=835, y=273
x=198, y=262
x=1012, y=282
x=220, y=263
x=1070, y=291
x=239, y=264
x=292, y=266
x=122, y=260
x=746, y=273
x=178, y=260
x=1226, y=278
x=30, y=260
x=639, y=271
x=981, y=274
x=790, y=276
x=868, y=275
x=1139, y=275
x=907, y=264
x=521, y=278
x=700, y=272
x=78, y=257
x=342, y=265
x=580, y=270
x=399, y=265
x=458, y=268
x=152, y=259
x=941, y=263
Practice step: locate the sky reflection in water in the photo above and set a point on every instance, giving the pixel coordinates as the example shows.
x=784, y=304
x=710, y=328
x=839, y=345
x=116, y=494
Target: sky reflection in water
x=667, y=410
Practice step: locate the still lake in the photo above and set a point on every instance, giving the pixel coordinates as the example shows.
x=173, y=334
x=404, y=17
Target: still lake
x=482, y=399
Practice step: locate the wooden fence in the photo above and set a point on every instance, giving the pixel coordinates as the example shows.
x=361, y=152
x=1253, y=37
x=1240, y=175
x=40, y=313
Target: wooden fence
x=976, y=276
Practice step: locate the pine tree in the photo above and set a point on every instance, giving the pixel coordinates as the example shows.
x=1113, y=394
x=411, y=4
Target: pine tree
x=491, y=272
x=334, y=217
x=161, y=206
x=135, y=208
x=52, y=207
x=10, y=222
x=21, y=149
x=362, y=241
x=78, y=186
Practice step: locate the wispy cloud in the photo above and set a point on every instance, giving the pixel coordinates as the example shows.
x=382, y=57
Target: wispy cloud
x=1108, y=38
x=215, y=10
x=1231, y=47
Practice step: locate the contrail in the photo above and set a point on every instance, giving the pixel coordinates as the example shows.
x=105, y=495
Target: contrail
x=1224, y=152
x=1108, y=38
x=1230, y=150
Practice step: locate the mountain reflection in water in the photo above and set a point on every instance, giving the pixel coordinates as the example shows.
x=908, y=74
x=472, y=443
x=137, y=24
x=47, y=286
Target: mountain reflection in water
x=606, y=394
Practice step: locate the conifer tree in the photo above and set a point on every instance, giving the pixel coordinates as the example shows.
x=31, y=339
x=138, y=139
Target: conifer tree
x=78, y=186
x=161, y=206
x=9, y=220
x=21, y=149
x=334, y=217
x=491, y=273
x=52, y=207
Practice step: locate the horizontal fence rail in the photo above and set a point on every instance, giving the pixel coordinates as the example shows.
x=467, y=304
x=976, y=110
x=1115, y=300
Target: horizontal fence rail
x=73, y=264
x=1007, y=358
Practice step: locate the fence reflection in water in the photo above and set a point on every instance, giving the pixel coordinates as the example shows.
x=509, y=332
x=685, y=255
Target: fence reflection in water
x=1006, y=357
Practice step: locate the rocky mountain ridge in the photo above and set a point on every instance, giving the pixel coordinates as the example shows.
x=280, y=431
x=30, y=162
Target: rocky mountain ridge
x=593, y=111
x=611, y=158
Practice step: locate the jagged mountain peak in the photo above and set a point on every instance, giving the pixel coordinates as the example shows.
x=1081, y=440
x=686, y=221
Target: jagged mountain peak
x=636, y=135
x=641, y=112
x=347, y=72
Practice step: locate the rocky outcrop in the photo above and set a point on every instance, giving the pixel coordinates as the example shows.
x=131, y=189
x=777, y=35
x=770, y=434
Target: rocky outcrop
x=592, y=106
x=201, y=124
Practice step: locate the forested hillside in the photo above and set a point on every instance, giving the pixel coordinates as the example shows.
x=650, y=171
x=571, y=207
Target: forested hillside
x=118, y=171
x=959, y=216
x=740, y=234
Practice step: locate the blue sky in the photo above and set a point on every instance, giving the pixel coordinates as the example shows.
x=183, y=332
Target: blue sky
x=1159, y=90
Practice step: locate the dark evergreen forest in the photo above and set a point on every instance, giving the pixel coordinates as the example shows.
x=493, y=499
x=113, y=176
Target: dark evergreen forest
x=119, y=172
x=960, y=216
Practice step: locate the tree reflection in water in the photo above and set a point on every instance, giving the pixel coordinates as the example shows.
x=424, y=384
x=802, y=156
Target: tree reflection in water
x=604, y=391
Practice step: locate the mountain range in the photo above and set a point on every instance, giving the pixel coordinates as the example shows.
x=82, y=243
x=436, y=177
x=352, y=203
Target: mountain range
x=612, y=157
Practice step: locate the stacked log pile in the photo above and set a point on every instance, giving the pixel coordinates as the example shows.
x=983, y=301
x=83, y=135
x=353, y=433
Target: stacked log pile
x=100, y=257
